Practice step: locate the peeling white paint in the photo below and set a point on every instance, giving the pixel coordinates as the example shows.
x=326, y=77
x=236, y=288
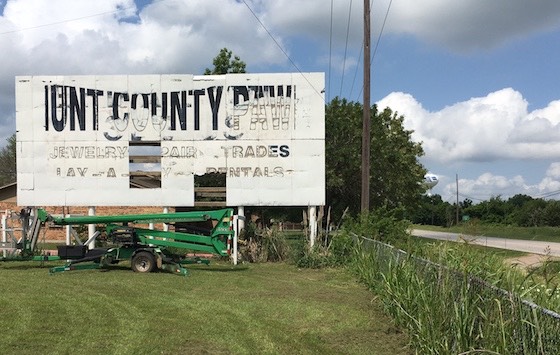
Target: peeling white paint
x=264, y=131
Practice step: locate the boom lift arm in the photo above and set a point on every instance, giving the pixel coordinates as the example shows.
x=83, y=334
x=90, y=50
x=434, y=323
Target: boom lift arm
x=145, y=248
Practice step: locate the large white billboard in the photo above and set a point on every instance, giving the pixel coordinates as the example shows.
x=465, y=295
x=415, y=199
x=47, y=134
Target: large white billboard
x=81, y=139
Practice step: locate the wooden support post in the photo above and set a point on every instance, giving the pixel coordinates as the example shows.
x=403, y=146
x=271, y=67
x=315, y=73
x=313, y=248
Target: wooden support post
x=91, y=227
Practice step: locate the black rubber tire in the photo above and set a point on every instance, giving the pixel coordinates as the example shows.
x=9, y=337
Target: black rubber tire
x=143, y=261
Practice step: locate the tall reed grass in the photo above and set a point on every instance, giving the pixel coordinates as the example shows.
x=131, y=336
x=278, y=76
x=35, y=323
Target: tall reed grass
x=460, y=305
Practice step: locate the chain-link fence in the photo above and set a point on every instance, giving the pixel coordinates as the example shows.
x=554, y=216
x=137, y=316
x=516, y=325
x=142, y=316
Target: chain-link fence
x=470, y=312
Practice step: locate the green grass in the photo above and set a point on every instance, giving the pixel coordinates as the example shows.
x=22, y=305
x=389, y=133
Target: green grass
x=256, y=309
x=447, y=312
x=484, y=250
x=545, y=234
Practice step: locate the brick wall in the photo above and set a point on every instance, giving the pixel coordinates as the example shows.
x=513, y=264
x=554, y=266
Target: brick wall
x=59, y=233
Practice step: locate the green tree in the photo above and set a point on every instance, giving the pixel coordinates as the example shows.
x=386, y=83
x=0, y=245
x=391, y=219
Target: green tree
x=466, y=203
x=519, y=200
x=494, y=210
x=432, y=210
x=8, y=172
x=530, y=214
x=396, y=173
x=342, y=152
x=223, y=64
x=551, y=213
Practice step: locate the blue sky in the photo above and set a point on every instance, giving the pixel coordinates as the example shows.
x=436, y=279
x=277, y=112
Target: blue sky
x=476, y=80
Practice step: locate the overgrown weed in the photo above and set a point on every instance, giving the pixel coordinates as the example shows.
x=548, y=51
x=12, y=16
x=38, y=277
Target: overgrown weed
x=262, y=244
x=450, y=297
x=332, y=250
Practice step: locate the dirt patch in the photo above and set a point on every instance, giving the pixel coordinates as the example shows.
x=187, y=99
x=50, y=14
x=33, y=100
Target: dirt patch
x=529, y=261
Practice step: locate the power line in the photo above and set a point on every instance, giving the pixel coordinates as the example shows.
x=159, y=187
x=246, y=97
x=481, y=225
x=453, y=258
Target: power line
x=382, y=29
x=356, y=71
x=123, y=9
x=471, y=198
x=345, y=48
x=379, y=38
x=548, y=194
x=64, y=21
x=77, y=18
x=282, y=49
x=330, y=53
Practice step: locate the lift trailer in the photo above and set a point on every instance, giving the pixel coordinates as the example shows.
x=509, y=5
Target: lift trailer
x=147, y=249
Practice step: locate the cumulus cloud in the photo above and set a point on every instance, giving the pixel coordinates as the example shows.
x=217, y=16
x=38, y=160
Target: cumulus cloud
x=169, y=35
x=493, y=127
x=178, y=36
x=553, y=171
x=550, y=184
x=182, y=36
x=63, y=37
x=489, y=185
x=472, y=24
x=463, y=26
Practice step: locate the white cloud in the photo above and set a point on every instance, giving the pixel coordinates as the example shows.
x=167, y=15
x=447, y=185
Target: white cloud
x=173, y=36
x=462, y=26
x=553, y=171
x=473, y=24
x=63, y=37
x=489, y=185
x=114, y=36
x=481, y=188
x=497, y=126
x=38, y=21
x=168, y=36
x=551, y=181
x=536, y=130
x=550, y=113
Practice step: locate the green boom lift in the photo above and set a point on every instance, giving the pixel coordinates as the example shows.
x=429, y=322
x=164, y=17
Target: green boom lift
x=147, y=249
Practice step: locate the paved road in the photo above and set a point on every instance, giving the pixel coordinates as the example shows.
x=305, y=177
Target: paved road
x=527, y=246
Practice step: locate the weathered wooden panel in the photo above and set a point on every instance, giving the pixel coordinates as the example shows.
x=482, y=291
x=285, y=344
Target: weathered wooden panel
x=78, y=138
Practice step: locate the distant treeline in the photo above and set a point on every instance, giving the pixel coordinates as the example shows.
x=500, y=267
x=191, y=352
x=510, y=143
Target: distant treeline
x=519, y=210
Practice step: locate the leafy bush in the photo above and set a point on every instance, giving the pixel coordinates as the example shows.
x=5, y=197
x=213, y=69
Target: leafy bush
x=314, y=258
x=336, y=249
x=383, y=224
x=330, y=251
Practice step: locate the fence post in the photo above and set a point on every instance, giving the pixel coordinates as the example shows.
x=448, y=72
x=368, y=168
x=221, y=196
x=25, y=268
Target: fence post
x=4, y=226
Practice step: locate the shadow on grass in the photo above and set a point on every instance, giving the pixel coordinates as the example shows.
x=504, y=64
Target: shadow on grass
x=7, y=265
x=218, y=268
x=28, y=265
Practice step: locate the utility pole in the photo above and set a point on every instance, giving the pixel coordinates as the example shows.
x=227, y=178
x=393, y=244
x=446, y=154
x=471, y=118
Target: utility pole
x=366, y=118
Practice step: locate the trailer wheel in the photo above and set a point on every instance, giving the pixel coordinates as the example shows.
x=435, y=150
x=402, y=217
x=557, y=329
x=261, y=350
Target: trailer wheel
x=143, y=262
